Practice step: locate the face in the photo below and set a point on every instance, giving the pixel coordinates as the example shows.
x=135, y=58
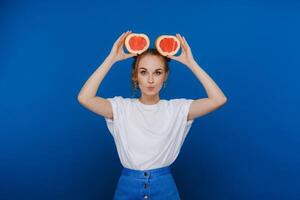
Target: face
x=151, y=75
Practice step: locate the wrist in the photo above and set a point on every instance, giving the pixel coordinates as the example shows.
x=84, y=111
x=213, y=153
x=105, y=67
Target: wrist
x=110, y=59
x=192, y=64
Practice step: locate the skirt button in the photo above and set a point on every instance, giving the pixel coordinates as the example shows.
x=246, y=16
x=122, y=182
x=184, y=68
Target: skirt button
x=145, y=173
x=145, y=185
x=145, y=197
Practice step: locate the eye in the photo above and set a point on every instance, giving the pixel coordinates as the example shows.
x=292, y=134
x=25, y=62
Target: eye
x=158, y=72
x=143, y=72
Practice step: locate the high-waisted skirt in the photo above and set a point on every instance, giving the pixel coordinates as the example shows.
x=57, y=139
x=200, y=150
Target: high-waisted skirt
x=153, y=184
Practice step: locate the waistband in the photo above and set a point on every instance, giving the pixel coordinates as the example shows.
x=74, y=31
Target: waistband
x=146, y=173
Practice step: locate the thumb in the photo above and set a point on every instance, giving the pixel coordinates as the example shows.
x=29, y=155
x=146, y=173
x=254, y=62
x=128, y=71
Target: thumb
x=130, y=55
x=172, y=57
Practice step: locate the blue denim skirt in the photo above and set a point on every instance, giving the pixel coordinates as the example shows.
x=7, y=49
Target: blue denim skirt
x=153, y=184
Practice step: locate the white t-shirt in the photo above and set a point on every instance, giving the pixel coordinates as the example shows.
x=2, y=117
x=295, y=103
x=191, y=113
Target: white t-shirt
x=148, y=136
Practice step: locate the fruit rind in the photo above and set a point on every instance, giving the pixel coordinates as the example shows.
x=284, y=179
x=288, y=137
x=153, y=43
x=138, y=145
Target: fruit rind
x=127, y=39
x=161, y=37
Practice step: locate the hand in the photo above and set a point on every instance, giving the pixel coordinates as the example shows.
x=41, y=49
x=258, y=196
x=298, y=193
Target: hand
x=186, y=56
x=117, y=52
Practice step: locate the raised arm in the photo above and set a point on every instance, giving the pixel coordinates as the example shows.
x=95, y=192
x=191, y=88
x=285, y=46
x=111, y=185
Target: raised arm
x=87, y=95
x=216, y=97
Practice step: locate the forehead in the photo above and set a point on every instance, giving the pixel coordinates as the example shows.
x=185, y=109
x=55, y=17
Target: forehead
x=151, y=62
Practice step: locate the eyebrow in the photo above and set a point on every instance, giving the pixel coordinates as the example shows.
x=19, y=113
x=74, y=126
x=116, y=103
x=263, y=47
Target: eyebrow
x=155, y=69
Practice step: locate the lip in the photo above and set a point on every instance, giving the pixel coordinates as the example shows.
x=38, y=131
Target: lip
x=150, y=88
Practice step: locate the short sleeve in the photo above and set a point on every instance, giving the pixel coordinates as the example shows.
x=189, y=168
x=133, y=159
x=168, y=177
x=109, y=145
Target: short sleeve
x=181, y=109
x=186, y=103
x=117, y=104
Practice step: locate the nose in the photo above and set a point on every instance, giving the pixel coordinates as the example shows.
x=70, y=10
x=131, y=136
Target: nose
x=150, y=79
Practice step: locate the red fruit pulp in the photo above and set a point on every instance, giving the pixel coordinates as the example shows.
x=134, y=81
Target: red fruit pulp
x=168, y=44
x=137, y=43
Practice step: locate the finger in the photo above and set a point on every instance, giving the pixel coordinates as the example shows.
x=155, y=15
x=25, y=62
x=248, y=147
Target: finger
x=122, y=37
x=126, y=34
x=122, y=40
x=181, y=41
x=129, y=55
x=186, y=43
x=172, y=57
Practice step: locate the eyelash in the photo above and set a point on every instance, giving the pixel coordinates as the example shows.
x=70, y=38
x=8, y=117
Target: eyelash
x=142, y=72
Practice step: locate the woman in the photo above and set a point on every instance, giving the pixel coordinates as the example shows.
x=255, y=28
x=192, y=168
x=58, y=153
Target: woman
x=149, y=131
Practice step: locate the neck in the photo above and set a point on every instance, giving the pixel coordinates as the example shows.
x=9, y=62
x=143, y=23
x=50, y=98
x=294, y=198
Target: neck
x=149, y=99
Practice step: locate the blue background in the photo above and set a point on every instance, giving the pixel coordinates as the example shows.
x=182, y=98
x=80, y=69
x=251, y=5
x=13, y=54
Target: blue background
x=53, y=148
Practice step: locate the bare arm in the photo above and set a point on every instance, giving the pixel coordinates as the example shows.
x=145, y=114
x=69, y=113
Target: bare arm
x=87, y=95
x=91, y=86
x=215, y=99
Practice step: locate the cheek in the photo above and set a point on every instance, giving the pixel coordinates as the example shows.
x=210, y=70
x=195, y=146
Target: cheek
x=142, y=80
x=162, y=78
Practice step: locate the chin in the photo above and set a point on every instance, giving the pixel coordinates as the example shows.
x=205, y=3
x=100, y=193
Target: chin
x=150, y=93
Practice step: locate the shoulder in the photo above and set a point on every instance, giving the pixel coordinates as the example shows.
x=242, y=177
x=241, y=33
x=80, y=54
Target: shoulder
x=180, y=104
x=180, y=101
x=120, y=100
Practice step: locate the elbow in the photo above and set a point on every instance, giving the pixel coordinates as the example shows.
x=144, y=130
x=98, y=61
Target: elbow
x=224, y=100
x=221, y=101
x=81, y=99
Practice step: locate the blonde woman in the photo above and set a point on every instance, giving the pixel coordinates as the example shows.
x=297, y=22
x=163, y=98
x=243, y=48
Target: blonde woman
x=148, y=131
